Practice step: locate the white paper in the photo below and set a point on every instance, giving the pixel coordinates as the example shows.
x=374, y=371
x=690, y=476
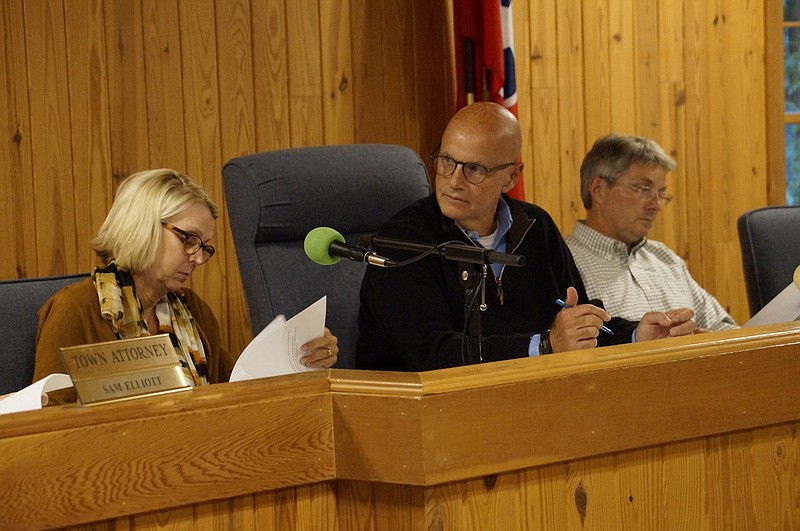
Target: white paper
x=276, y=349
x=35, y=395
x=783, y=308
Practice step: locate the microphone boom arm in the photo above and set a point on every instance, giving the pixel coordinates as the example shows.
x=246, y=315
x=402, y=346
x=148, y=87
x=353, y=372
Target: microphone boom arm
x=454, y=251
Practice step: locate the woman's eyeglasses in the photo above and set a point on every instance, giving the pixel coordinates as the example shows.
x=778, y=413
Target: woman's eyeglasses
x=191, y=242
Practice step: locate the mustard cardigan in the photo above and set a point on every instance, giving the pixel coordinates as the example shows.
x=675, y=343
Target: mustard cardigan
x=72, y=317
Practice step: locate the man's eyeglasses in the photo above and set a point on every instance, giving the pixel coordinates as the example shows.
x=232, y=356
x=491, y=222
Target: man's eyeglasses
x=191, y=242
x=473, y=172
x=646, y=193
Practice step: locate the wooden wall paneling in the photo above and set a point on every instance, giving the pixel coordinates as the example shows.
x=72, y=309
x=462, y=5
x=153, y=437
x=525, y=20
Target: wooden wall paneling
x=702, y=485
x=238, y=137
x=542, y=490
x=639, y=476
x=366, y=17
x=731, y=496
x=400, y=77
x=775, y=104
x=270, y=75
x=786, y=459
x=400, y=507
x=646, y=57
x=273, y=511
x=625, y=100
x=51, y=140
x=754, y=177
x=697, y=162
x=199, y=61
x=572, y=130
x=161, y=29
x=672, y=226
x=646, y=83
x=337, y=73
x=741, y=96
x=356, y=503
x=89, y=112
x=17, y=211
x=127, y=89
x=305, y=73
x=523, y=63
x=232, y=513
x=593, y=483
x=236, y=104
x=683, y=475
x=539, y=117
x=312, y=502
x=770, y=454
x=598, y=74
x=434, y=85
x=725, y=113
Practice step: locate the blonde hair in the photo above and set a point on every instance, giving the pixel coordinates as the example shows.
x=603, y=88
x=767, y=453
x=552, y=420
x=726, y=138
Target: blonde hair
x=131, y=232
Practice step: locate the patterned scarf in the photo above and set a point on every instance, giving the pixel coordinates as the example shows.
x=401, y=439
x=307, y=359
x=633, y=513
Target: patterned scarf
x=120, y=306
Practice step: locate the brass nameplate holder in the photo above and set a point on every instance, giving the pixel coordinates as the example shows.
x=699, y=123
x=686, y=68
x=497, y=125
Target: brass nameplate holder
x=124, y=369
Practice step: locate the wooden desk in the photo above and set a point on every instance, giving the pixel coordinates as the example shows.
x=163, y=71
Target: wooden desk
x=689, y=433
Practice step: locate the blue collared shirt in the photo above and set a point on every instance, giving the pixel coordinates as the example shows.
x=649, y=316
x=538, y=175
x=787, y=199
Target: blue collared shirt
x=504, y=220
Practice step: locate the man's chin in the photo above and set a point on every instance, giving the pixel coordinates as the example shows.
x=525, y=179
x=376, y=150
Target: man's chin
x=452, y=208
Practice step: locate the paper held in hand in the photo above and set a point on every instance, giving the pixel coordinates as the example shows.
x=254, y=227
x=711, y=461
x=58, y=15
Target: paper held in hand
x=276, y=349
x=783, y=308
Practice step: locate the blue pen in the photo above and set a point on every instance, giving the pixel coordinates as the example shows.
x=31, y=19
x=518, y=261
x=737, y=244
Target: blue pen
x=604, y=328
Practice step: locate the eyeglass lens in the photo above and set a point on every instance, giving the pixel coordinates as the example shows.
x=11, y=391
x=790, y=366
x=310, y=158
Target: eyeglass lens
x=446, y=166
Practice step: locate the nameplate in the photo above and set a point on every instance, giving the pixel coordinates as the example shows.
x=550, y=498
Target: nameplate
x=124, y=369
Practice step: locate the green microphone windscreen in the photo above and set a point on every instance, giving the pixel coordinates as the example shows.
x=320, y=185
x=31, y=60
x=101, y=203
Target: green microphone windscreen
x=318, y=242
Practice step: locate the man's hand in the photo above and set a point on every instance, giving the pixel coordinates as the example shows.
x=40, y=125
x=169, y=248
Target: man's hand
x=576, y=327
x=657, y=325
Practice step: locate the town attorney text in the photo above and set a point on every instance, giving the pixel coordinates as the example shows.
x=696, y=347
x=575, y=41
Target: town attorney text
x=124, y=369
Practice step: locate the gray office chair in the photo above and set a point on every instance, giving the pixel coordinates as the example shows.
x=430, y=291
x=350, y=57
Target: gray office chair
x=20, y=301
x=770, y=242
x=275, y=198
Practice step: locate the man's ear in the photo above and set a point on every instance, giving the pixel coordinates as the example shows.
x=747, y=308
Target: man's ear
x=513, y=177
x=596, y=187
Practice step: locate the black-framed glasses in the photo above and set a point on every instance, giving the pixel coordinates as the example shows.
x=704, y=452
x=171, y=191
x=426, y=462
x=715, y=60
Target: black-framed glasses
x=473, y=172
x=646, y=193
x=191, y=242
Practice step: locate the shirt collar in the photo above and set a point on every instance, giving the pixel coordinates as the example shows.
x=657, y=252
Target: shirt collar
x=605, y=244
x=503, y=217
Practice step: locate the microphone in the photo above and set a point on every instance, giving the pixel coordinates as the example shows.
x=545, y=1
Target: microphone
x=326, y=246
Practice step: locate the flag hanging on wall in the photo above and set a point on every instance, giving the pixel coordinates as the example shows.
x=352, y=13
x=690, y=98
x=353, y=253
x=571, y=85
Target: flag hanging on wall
x=485, y=56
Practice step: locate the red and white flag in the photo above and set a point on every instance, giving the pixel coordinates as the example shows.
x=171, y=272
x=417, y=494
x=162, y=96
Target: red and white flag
x=485, y=56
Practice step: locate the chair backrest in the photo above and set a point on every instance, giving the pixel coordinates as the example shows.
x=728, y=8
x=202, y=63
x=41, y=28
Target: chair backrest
x=20, y=301
x=275, y=198
x=770, y=242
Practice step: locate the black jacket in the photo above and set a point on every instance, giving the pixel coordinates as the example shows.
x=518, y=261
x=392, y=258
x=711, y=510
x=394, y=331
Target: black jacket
x=412, y=318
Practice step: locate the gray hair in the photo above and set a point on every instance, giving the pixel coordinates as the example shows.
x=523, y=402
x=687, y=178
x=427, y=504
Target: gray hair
x=612, y=154
x=131, y=232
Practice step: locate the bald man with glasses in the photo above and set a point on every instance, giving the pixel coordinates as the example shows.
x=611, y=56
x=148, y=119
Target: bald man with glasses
x=624, y=188
x=412, y=318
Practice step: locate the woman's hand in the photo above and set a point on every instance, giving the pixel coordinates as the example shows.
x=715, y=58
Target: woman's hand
x=321, y=352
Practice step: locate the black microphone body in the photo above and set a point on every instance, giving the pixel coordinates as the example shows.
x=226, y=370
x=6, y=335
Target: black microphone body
x=357, y=254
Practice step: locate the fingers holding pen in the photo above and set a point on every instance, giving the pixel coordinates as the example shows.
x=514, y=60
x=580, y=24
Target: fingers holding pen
x=577, y=327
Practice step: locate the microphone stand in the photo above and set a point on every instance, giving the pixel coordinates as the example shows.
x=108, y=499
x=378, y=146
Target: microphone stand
x=473, y=266
x=473, y=278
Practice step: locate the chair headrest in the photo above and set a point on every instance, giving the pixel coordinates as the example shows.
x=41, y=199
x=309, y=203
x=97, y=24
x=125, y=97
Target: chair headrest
x=351, y=188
